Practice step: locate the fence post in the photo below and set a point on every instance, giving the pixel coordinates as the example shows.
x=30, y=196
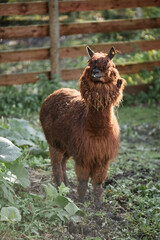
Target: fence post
x=54, y=38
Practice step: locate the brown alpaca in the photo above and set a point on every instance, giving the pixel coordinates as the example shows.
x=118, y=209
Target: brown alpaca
x=83, y=124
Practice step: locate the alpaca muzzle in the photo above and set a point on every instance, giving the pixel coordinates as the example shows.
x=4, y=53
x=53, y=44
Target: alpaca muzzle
x=96, y=74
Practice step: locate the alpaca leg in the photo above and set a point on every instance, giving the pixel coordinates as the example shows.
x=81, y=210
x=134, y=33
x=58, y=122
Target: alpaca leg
x=98, y=193
x=64, y=161
x=98, y=176
x=82, y=176
x=56, y=159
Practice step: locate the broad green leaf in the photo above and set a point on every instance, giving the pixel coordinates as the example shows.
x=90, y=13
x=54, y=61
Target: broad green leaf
x=61, y=201
x=8, y=151
x=19, y=139
x=80, y=213
x=51, y=191
x=62, y=214
x=22, y=126
x=21, y=173
x=71, y=208
x=21, y=133
x=76, y=218
x=10, y=214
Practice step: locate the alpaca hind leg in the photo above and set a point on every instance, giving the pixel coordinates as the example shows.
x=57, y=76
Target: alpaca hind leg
x=98, y=176
x=64, y=161
x=56, y=159
x=82, y=176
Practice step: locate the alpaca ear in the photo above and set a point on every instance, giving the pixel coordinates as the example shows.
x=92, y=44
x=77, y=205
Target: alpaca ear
x=111, y=53
x=119, y=83
x=89, y=51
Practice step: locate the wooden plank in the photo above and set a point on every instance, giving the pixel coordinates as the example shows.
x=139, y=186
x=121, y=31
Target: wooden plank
x=72, y=74
x=21, y=78
x=14, y=79
x=135, y=89
x=24, y=32
x=71, y=52
x=10, y=9
x=29, y=8
x=77, y=6
x=24, y=55
x=76, y=28
x=123, y=47
x=109, y=26
x=137, y=67
x=54, y=38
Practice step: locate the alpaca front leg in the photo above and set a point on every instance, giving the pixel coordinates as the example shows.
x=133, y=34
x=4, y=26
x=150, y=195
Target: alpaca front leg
x=56, y=159
x=82, y=176
x=81, y=189
x=99, y=175
x=98, y=193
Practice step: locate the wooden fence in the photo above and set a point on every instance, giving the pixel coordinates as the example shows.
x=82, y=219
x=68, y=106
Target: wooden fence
x=54, y=29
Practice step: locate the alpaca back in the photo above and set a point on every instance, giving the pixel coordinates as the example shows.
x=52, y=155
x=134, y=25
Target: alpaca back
x=60, y=115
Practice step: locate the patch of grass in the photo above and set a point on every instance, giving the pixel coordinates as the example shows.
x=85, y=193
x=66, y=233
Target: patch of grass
x=136, y=115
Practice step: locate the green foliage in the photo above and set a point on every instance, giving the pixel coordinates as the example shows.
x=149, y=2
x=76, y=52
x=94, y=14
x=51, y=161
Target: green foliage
x=152, y=96
x=13, y=102
x=11, y=170
x=54, y=206
x=21, y=133
x=10, y=214
x=8, y=151
x=64, y=209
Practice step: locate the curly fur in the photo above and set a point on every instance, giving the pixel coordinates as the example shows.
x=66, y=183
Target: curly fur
x=82, y=124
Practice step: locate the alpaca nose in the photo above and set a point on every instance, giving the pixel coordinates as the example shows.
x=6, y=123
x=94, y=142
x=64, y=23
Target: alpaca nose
x=96, y=73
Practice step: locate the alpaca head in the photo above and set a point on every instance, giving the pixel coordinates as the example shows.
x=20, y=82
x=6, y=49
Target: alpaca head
x=100, y=83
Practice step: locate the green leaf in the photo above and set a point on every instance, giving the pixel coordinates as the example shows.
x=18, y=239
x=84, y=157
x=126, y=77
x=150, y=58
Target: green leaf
x=21, y=133
x=10, y=214
x=51, y=191
x=22, y=126
x=62, y=214
x=18, y=139
x=63, y=190
x=71, y=208
x=21, y=173
x=7, y=193
x=8, y=151
x=61, y=201
x=76, y=218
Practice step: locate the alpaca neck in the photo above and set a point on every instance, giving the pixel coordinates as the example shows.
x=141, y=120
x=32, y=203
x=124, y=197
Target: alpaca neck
x=99, y=122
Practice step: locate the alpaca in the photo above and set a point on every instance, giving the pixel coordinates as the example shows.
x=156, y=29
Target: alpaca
x=82, y=124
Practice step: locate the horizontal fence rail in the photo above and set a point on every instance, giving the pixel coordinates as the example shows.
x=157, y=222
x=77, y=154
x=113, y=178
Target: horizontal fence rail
x=76, y=51
x=30, y=8
x=79, y=28
x=75, y=73
x=70, y=74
